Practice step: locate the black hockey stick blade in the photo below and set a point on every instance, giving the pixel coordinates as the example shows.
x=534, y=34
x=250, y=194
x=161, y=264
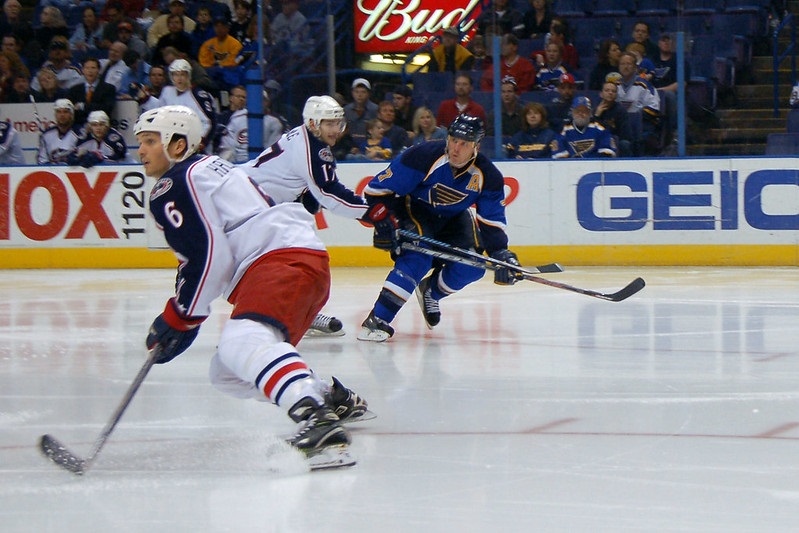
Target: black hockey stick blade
x=633, y=287
x=622, y=294
x=60, y=455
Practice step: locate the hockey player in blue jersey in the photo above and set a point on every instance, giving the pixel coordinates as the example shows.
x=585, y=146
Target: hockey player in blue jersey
x=583, y=137
x=430, y=189
x=265, y=258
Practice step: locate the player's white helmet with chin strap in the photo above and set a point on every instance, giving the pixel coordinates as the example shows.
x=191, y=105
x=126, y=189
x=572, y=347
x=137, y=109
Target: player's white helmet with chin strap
x=319, y=108
x=169, y=121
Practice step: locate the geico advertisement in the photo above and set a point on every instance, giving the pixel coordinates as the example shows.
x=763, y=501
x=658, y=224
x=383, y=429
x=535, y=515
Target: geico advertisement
x=679, y=201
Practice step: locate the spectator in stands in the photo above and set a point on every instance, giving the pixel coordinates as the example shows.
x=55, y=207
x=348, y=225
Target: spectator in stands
x=511, y=64
x=204, y=29
x=537, y=19
x=13, y=21
x=175, y=38
x=131, y=9
x=10, y=65
x=113, y=14
x=376, y=147
x=281, y=108
x=358, y=112
x=52, y=24
x=157, y=80
x=219, y=55
x=535, y=140
x=559, y=109
x=638, y=96
x=461, y=104
x=57, y=142
x=477, y=47
x=608, y=61
x=230, y=142
x=500, y=19
x=425, y=127
x=640, y=35
x=274, y=126
x=199, y=77
x=114, y=70
x=60, y=61
x=88, y=35
x=450, y=55
x=664, y=79
x=614, y=118
x=290, y=30
x=396, y=135
x=402, y=98
x=550, y=71
x=11, y=43
x=132, y=40
x=100, y=143
x=93, y=94
x=49, y=90
x=10, y=145
x=584, y=138
x=21, y=91
x=559, y=33
x=242, y=20
x=512, y=116
x=161, y=25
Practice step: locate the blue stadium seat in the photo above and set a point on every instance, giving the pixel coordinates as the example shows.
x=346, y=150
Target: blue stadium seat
x=702, y=7
x=648, y=8
x=793, y=121
x=430, y=88
x=743, y=23
x=782, y=144
x=696, y=24
x=619, y=8
x=573, y=8
x=746, y=6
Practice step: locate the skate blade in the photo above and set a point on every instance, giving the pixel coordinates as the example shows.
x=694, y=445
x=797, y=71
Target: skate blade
x=331, y=457
x=367, y=415
x=320, y=333
x=367, y=334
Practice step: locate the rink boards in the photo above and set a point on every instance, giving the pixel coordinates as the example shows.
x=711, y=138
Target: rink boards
x=742, y=211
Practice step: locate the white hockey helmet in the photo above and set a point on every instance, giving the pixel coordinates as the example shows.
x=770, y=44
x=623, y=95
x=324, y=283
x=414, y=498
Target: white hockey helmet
x=169, y=121
x=319, y=108
x=96, y=117
x=179, y=65
x=64, y=103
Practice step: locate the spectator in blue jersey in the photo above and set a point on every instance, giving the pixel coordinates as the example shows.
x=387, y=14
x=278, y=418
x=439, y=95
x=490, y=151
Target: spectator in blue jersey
x=536, y=140
x=430, y=189
x=584, y=138
x=99, y=143
x=548, y=74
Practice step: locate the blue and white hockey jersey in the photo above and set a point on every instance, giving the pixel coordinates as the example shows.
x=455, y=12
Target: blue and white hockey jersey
x=590, y=142
x=55, y=146
x=112, y=148
x=10, y=145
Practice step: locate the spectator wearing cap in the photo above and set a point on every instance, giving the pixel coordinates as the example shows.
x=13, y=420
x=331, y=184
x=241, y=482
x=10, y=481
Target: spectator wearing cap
x=549, y=73
x=559, y=108
x=161, y=26
x=204, y=29
x=450, y=55
x=361, y=110
x=402, y=98
x=219, y=55
x=500, y=19
x=176, y=38
x=100, y=143
x=511, y=64
x=113, y=13
x=132, y=40
x=607, y=62
x=535, y=140
x=93, y=94
x=462, y=104
x=59, y=61
x=88, y=35
x=57, y=142
x=638, y=96
x=584, y=138
x=512, y=116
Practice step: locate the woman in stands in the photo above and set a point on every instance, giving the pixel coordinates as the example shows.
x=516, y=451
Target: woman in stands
x=537, y=19
x=609, y=54
x=425, y=127
x=536, y=140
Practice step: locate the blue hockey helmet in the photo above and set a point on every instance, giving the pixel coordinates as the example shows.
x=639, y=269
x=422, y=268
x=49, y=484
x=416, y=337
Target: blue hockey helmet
x=468, y=128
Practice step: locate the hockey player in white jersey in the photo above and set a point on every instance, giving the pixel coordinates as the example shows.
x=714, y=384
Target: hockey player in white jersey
x=57, y=142
x=300, y=167
x=10, y=145
x=182, y=93
x=265, y=258
x=232, y=126
x=99, y=143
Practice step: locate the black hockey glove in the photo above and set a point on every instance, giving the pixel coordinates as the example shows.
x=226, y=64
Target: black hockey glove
x=506, y=276
x=90, y=159
x=386, y=225
x=172, y=333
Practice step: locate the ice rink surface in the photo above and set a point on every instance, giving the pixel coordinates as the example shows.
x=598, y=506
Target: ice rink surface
x=528, y=409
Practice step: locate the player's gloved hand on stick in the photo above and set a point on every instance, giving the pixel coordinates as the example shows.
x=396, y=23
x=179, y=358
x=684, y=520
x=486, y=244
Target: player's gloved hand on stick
x=73, y=159
x=506, y=276
x=89, y=159
x=386, y=225
x=172, y=332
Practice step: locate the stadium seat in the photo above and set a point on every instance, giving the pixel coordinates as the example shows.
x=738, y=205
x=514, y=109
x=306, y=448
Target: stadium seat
x=793, y=121
x=702, y=7
x=782, y=144
x=649, y=8
x=619, y=8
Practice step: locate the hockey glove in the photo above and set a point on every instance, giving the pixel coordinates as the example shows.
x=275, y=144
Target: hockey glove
x=386, y=225
x=506, y=276
x=172, y=332
x=89, y=159
x=73, y=159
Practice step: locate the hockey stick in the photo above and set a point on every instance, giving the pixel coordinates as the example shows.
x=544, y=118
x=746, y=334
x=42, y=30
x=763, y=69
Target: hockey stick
x=631, y=288
x=60, y=455
x=448, y=249
x=36, y=115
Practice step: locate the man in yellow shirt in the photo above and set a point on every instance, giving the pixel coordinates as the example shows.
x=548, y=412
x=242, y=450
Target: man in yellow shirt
x=219, y=55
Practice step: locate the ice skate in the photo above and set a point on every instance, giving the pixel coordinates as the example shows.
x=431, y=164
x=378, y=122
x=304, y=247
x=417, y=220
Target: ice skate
x=321, y=437
x=325, y=326
x=348, y=406
x=430, y=309
x=375, y=330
